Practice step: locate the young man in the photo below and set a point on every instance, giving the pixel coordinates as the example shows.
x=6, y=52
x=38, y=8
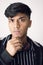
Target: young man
x=17, y=48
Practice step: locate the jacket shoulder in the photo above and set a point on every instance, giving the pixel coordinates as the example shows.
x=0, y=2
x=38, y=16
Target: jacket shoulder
x=37, y=44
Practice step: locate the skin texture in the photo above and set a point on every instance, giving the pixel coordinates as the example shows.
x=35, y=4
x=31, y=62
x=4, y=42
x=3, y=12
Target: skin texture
x=18, y=26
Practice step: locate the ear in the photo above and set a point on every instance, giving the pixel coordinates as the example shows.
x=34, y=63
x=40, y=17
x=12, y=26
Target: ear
x=30, y=22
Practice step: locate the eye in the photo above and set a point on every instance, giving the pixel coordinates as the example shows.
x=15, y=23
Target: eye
x=22, y=20
x=12, y=20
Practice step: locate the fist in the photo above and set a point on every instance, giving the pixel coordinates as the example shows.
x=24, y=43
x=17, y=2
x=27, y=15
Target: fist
x=13, y=45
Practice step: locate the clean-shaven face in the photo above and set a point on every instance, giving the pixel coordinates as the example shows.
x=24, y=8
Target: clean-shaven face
x=19, y=24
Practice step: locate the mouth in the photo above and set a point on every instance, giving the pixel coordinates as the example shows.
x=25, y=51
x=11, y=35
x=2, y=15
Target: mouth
x=16, y=32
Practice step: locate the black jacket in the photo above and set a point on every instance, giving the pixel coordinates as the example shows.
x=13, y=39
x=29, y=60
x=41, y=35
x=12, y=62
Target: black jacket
x=32, y=56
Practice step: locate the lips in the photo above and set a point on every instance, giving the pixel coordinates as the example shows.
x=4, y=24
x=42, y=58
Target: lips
x=17, y=32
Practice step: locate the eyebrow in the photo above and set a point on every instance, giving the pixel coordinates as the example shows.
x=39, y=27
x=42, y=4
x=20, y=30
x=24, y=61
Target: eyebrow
x=22, y=17
x=19, y=18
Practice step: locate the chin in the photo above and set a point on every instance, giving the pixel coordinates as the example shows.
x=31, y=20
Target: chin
x=16, y=35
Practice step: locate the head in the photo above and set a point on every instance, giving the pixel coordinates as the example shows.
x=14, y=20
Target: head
x=18, y=15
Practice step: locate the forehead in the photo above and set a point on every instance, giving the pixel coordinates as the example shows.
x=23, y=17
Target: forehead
x=19, y=15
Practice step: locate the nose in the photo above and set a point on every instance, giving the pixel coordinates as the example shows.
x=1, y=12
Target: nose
x=16, y=24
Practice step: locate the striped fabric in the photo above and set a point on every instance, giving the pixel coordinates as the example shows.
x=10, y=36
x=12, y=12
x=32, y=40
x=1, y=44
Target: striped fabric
x=23, y=58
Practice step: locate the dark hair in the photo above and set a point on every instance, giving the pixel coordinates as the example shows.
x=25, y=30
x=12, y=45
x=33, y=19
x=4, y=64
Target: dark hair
x=15, y=8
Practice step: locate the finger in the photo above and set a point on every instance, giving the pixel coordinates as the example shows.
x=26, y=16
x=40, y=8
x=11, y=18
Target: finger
x=16, y=38
x=18, y=44
x=18, y=48
x=15, y=41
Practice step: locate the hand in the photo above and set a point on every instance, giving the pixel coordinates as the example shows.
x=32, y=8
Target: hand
x=13, y=45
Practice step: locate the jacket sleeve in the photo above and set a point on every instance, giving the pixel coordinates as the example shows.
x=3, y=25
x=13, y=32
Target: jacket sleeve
x=5, y=57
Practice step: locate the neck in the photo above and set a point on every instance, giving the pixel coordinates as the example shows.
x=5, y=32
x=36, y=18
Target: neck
x=25, y=43
x=24, y=39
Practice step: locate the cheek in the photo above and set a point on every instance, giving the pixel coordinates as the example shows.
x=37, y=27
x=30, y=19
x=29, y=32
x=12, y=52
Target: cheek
x=11, y=28
x=24, y=28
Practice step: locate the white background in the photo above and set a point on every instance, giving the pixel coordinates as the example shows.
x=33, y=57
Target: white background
x=36, y=30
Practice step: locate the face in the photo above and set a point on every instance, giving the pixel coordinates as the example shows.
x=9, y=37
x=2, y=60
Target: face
x=19, y=24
